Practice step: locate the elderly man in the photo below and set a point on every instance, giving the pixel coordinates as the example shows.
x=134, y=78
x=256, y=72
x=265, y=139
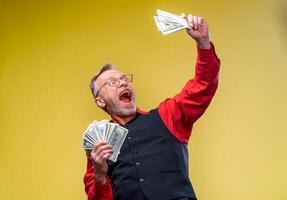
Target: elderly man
x=153, y=163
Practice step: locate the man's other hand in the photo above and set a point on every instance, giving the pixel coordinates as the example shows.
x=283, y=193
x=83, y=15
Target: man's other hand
x=198, y=30
x=99, y=156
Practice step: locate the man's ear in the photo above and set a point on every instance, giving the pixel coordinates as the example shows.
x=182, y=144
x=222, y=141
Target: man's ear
x=100, y=102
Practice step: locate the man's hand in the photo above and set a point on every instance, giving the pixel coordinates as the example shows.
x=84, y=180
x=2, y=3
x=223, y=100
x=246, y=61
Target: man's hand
x=198, y=30
x=99, y=156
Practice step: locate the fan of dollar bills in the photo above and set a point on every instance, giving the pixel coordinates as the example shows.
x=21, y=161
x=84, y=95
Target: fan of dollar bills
x=112, y=133
x=169, y=23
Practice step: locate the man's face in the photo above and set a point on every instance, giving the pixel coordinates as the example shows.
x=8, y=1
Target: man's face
x=118, y=100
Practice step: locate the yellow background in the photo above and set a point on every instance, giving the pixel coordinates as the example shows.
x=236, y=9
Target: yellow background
x=49, y=50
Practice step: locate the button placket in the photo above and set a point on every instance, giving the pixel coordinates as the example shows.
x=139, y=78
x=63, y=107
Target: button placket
x=134, y=152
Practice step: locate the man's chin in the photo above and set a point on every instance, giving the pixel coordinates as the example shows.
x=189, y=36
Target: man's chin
x=123, y=109
x=128, y=109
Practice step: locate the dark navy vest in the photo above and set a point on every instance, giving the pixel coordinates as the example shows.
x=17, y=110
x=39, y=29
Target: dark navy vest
x=152, y=163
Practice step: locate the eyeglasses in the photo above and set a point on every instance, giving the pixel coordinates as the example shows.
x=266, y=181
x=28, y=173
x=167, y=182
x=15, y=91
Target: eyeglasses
x=114, y=82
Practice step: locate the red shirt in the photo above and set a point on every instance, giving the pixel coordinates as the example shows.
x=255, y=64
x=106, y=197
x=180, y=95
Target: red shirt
x=178, y=113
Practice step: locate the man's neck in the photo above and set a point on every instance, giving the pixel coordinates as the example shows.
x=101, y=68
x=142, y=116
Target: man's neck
x=123, y=120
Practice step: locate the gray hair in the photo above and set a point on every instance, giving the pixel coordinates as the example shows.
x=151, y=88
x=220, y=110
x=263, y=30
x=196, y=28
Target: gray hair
x=105, y=67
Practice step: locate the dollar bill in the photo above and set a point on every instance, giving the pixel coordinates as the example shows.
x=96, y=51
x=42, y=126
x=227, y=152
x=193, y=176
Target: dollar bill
x=103, y=130
x=110, y=129
x=116, y=139
x=169, y=23
x=87, y=145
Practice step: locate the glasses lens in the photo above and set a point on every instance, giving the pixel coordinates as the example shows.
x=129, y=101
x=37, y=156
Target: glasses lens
x=128, y=78
x=113, y=82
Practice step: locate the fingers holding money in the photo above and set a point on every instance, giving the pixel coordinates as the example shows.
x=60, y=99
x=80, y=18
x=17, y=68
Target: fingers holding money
x=101, y=152
x=168, y=23
x=193, y=21
x=198, y=30
x=99, y=155
x=103, y=131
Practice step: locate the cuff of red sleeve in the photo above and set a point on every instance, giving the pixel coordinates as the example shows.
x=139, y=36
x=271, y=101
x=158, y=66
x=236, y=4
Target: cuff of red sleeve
x=102, y=187
x=100, y=191
x=206, y=54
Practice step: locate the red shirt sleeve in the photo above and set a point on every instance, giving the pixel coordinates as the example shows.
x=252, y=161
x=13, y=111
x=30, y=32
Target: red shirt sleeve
x=94, y=190
x=180, y=112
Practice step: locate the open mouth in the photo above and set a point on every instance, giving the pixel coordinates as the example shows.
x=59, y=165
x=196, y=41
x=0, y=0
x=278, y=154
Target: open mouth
x=126, y=96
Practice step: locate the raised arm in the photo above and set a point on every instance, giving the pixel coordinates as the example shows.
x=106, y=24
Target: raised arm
x=180, y=112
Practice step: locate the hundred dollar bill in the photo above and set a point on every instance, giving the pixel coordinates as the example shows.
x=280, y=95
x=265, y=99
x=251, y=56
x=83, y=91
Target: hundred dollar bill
x=89, y=138
x=92, y=133
x=101, y=129
x=172, y=17
x=110, y=129
x=169, y=23
x=116, y=139
x=87, y=145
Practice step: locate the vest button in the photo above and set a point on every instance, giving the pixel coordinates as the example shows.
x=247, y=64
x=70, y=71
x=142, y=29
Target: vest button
x=138, y=163
x=141, y=180
x=129, y=137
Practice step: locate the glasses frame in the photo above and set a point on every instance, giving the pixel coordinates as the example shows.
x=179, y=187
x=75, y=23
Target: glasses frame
x=117, y=83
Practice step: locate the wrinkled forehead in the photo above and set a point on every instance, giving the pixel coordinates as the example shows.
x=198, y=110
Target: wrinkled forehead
x=106, y=75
